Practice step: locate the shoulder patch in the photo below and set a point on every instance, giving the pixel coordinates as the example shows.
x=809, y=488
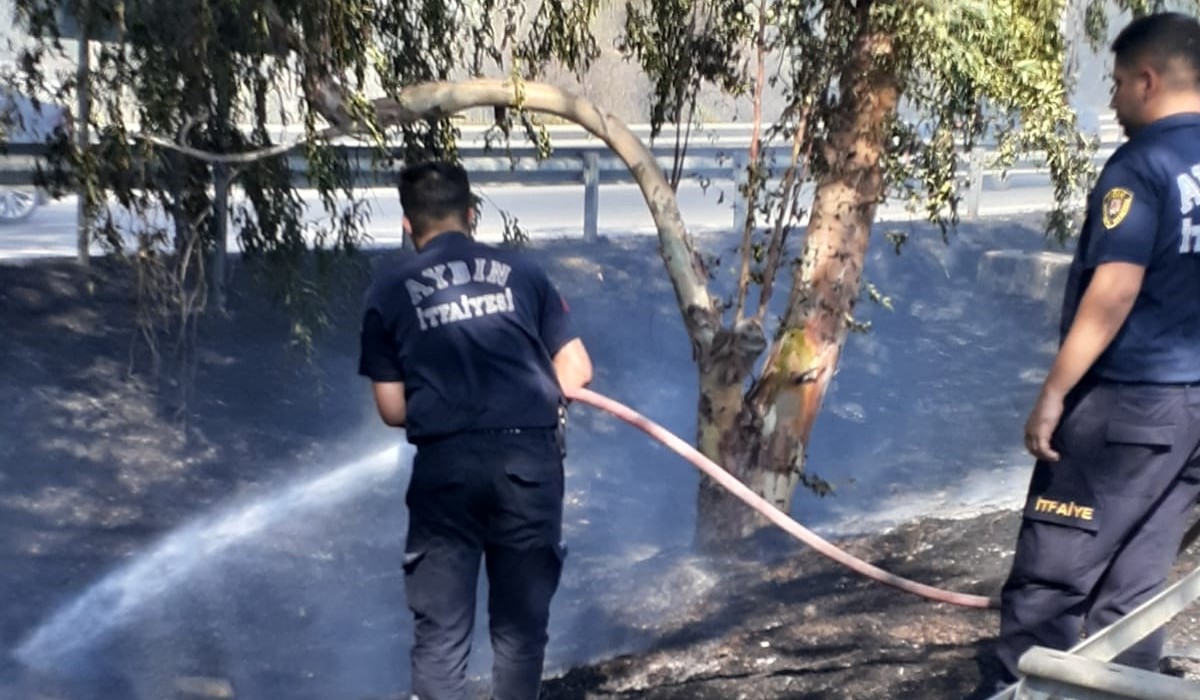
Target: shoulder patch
x=1117, y=202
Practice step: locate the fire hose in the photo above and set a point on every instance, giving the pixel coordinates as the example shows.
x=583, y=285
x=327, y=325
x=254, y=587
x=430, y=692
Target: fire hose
x=785, y=522
x=770, y=512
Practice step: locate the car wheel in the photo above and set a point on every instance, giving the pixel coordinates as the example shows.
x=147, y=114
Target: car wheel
x=16, y=204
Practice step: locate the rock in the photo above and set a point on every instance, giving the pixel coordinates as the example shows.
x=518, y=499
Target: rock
x=1181, y=667
x=1040, y=276
x=203, y=687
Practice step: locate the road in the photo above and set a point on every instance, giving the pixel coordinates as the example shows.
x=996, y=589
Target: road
x=543, y=212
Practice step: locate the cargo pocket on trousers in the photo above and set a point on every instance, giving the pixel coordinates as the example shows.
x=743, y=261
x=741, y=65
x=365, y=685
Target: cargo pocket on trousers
x=1157, y=437
x=1132, y=456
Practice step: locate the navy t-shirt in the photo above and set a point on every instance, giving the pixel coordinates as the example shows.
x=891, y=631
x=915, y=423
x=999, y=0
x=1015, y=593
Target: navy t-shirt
x=471, y=330
x=1145, y=209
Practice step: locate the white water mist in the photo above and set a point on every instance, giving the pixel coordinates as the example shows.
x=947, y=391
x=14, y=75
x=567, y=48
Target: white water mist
x=112, y=602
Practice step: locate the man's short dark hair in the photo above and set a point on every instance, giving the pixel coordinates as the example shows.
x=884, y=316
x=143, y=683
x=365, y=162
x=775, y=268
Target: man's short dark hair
x=433, y=191
x=1160, y=39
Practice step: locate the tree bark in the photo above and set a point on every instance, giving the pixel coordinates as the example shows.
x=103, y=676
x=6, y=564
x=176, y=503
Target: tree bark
x=727, y=433
x=765, y=443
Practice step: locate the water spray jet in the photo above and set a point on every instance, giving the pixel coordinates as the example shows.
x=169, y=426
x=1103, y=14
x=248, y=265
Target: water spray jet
x=110, y=603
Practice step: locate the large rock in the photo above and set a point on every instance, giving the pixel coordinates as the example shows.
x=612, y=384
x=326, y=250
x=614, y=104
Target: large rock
x=1037, y=275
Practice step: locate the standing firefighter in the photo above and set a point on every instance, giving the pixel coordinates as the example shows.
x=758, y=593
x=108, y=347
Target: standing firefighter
x=470, y=348
x=1117, y=425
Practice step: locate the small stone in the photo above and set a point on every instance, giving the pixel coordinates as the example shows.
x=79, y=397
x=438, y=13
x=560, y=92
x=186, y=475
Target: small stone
x=204, y=687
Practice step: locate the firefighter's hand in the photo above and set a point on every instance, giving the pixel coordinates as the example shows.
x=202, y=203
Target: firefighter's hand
x=1043, y=421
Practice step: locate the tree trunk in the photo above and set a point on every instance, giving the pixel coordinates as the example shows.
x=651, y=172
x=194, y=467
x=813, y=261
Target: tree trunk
x=224, y=88
x=763, y=440
x=726, y=432
x=83, y=213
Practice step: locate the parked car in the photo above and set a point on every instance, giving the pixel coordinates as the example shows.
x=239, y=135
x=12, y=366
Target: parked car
x=24, y=120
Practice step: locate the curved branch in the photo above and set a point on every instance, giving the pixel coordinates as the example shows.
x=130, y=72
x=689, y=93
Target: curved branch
x=228, y=158
x=701, y=313
x=442, y=99
x=436, y=100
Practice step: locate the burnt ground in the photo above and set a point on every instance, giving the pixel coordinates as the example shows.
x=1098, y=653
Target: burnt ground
x=99, y=457
x=802, y=627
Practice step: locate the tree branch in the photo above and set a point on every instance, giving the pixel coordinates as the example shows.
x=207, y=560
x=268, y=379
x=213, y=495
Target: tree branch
x=779, y=235
x=688, y=277
x=752, y=179
x=441, y=99
x=227, y=158
x=437, y=100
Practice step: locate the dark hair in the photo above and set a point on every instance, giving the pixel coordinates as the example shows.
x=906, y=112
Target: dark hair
x=433, y=191
x=1159, y=38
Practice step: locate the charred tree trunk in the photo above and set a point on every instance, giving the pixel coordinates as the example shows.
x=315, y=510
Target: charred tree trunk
x=764, y=438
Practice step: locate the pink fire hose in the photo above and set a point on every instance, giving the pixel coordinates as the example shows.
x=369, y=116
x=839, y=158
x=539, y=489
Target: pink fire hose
x=772, y=513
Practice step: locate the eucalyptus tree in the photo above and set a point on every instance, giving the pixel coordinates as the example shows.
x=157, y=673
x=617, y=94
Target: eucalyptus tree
x=883, y=99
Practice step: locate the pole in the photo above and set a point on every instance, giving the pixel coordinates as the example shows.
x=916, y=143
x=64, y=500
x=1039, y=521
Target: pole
x=591, y=196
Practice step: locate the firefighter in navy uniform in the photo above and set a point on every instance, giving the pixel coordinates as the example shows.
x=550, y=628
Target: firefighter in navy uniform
x=1116, y=427
x=470, y=349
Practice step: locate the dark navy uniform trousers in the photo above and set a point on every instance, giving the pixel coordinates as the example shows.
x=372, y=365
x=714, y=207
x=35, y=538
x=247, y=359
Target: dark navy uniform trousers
x=1102, y=526
x=495, y=496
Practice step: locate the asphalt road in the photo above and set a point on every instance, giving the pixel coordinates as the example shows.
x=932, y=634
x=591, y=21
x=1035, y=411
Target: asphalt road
x=541, y=211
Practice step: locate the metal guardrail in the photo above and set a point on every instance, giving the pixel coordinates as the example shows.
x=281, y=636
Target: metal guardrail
x=716, y=153
x=1084, y=672
x=1065, y=676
